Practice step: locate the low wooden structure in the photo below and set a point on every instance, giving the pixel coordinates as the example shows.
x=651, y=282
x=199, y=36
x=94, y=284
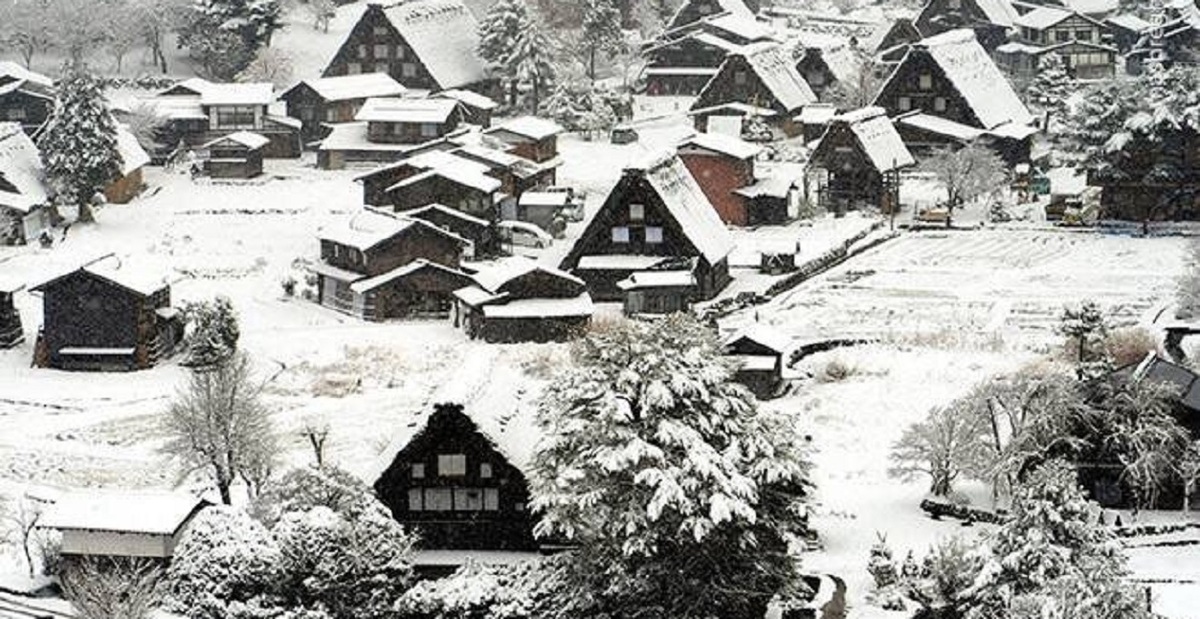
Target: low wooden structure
x=759, y=354
x=106, y=318
x=335, y=100
x=381, y=266
x=517, y=300
x=26, y=97
x=458, y=478
x=24, y=195
x=481, y=234
x=121, y=524
x=669, y=290
x=530, y=137
x=721, y=165
x=237, y=155
x=476, y=108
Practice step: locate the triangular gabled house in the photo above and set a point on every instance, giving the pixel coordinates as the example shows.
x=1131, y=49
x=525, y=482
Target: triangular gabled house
x=858, y=154
x=655, y=214
x=887, y=44
x=759, y=353
x=423, y=44
x=990, y=19
x=459, y=478
x=947, y=91
x=756, y=80
x=518, y=300
x=824, y=69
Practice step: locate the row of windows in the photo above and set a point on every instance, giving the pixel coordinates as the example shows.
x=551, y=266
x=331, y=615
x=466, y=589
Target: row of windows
x=236, y=117
x=453, y=499
x=905, y=104
x=1090, y=59
x=381, y=51
x=15, y=113
x=427, y=130
x=407, y=69
x=352, y=255
x=652, y=235
x=451, y=465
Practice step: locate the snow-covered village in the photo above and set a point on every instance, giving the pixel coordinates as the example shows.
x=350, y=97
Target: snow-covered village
x=629, y=309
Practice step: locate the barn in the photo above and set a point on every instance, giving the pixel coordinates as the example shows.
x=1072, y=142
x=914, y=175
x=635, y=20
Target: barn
x=458, y=477
x=656, y=213
x=517, y=300
x=105, y=316
x=121, y=524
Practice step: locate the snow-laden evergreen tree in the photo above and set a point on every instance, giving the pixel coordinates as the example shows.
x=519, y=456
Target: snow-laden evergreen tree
x=1050, y=89
x=533, y=62
x=499, y=32
x=682, y=495
x=215, y=332
x=78, y=145
x=1053, y=556
x=1084, y=327
x=601, y=34
x=225, y=35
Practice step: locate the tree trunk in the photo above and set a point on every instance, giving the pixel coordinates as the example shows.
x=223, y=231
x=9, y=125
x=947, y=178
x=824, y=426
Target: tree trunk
x=592, y=64
x=941, y=485
x=86, y=216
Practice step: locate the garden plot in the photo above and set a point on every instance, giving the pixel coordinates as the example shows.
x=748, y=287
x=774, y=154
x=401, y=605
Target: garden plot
x=998, y=285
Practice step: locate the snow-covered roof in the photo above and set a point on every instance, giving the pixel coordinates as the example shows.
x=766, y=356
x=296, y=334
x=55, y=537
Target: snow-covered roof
x=1092, y=7
x=1017, y=47
x=723, y=144
x=363, y=286
x=490, y=155
x=444, y=36
x=260, y=93
x=22, y=183
x=878, y=137
x=977, y=79
x=397, y=110
x=541, y=308
x=354, y=137
x=348, y=87
x=367, y=228
x=774, y=186
x=844, y=62
x=687, y=203
x=133, y=156
x=1129, y=22
x=617, y=262
x=658, y=279
x=495, y=275
x=151, y=513
x=733, y=7
x=817, y=114
x=715, y=40
x=1066, y=182
x=740, y=25
x=445, y=210
x=941, y=126
x=449, y=166
x=545, y=198
x=196, y=86
x=1043, y=17
x=143, y=279
x=999, y=12
x=764, y=336
x=17, y=72
x=176, y=108
x=249, y=139
x=530, y=127
x=775, y=67
x=468, y=98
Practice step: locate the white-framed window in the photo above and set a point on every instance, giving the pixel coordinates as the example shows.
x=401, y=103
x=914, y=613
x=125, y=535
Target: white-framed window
x=637, y=212
x=418, y=470
x=381, y=51
x=1083, y=35
x=485, y=470
x=408, y=69
x=925, y=81
x=400, y=52
x=353, y=68
x=939, y=104
x=452, y=465
x=904, y=103
x=331, y=115
x=429, y=130
x=654, y=235
x=620, y=234
x=439, y=499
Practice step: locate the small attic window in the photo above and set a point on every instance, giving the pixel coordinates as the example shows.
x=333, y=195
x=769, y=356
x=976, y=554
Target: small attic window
x=739, y=78
x=452, y=465
x=16, y=113
x=485, y=470
x=816, y=78
x=939, y=104
x=954, y=4
x=381, y=31
x=904, y=104
x=418, y=470
x=925, y=81
x=637, y=212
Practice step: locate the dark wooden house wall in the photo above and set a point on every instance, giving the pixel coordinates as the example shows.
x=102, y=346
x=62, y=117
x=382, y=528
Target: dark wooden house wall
x=724, y=88
x=902, y=32
x=483, y=237
x=685, y=53
x=440, y=190
x=719, y=176
x=427, y=293
x=124, y=189
x=515, y=330
x=358, y=53
x=469, y=524
x=228, y=161
x=29, y=110
x=938, y=17
x=534, y=150
x=851, y=175
x=304, y=104
x=407, y=133
x=375, y=186
x=597, y=239
x=905, y=83
x=82, y=310
x=404, y=248
x=12, y=332
x=816, y=73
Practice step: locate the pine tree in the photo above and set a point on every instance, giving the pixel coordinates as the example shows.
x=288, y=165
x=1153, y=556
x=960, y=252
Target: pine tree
x=533, y=61
x=225, y=35
x=501, y=29
x=79, y=143
x=215, y=332
x=601, y=32
x=1050, y=89
x=682, y=496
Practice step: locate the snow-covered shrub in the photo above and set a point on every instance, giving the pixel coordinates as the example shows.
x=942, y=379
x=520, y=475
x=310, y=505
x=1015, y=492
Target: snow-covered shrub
x=214, y=332
x=304, y=488
x=288, y=283
x=1129, y=345
x=882, y=564
x=528, y=589
x=836, y=370
x=225, y=559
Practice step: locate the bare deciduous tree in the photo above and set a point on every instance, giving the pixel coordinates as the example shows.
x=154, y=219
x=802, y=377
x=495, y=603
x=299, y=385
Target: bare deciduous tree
x=944, y=446
x=966, y=173
x=316, y=431
x=217, y=423
x=22, y=521
x=111, y=587
x=1188, y=470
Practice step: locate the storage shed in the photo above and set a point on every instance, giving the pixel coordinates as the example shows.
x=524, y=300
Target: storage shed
x=122, y=524
x=237, y=155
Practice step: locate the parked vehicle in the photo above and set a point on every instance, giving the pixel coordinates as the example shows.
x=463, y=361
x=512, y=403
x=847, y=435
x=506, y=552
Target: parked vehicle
x=623, y=134
x=523, y=233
